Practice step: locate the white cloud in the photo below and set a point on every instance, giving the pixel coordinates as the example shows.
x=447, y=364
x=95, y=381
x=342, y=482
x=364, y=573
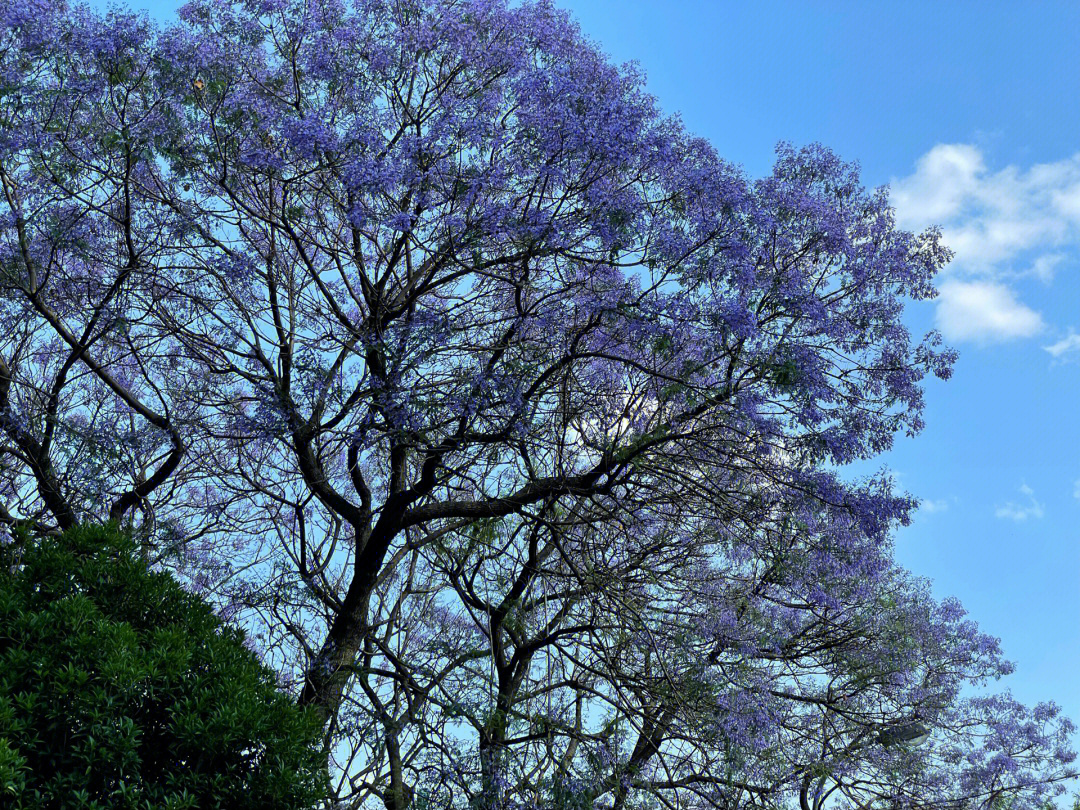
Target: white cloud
x=1076, y=488
x=990, y=217
x=1021, y=512
x=1002, y=225
x=932, y=506
x=1068, y=345
x=1044, y=267
x=984, y=311
x=944, y=178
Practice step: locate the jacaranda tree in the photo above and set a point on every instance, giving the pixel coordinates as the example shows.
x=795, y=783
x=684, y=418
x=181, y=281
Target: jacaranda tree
x=505, y=413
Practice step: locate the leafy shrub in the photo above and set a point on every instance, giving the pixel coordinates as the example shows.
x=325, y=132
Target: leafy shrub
x=118, y=689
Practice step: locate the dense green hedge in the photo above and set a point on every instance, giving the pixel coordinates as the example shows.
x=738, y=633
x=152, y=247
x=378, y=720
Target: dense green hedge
x=118, y=689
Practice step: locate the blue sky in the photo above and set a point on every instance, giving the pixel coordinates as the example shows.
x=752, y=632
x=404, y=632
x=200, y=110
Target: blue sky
x=971, y=112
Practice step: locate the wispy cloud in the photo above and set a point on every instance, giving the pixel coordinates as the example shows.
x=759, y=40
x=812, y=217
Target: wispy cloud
x=1021, y=512
x=1044, y=267
x=1066, y=347
x=1076, y=488
x=933, y=506
x=1003, y=225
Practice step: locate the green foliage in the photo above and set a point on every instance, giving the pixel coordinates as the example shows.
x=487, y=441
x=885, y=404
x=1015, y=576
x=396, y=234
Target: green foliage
x=118, y=689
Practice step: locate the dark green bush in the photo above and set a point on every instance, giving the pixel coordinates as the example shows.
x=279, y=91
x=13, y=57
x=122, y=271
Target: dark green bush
x=118, y=689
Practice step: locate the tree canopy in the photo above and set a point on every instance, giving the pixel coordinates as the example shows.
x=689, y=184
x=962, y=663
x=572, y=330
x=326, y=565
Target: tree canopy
x=119, y=689
x=507, y=416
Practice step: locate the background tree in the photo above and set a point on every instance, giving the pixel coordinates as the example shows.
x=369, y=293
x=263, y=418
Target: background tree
x=119, y=689
x=505, y=413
